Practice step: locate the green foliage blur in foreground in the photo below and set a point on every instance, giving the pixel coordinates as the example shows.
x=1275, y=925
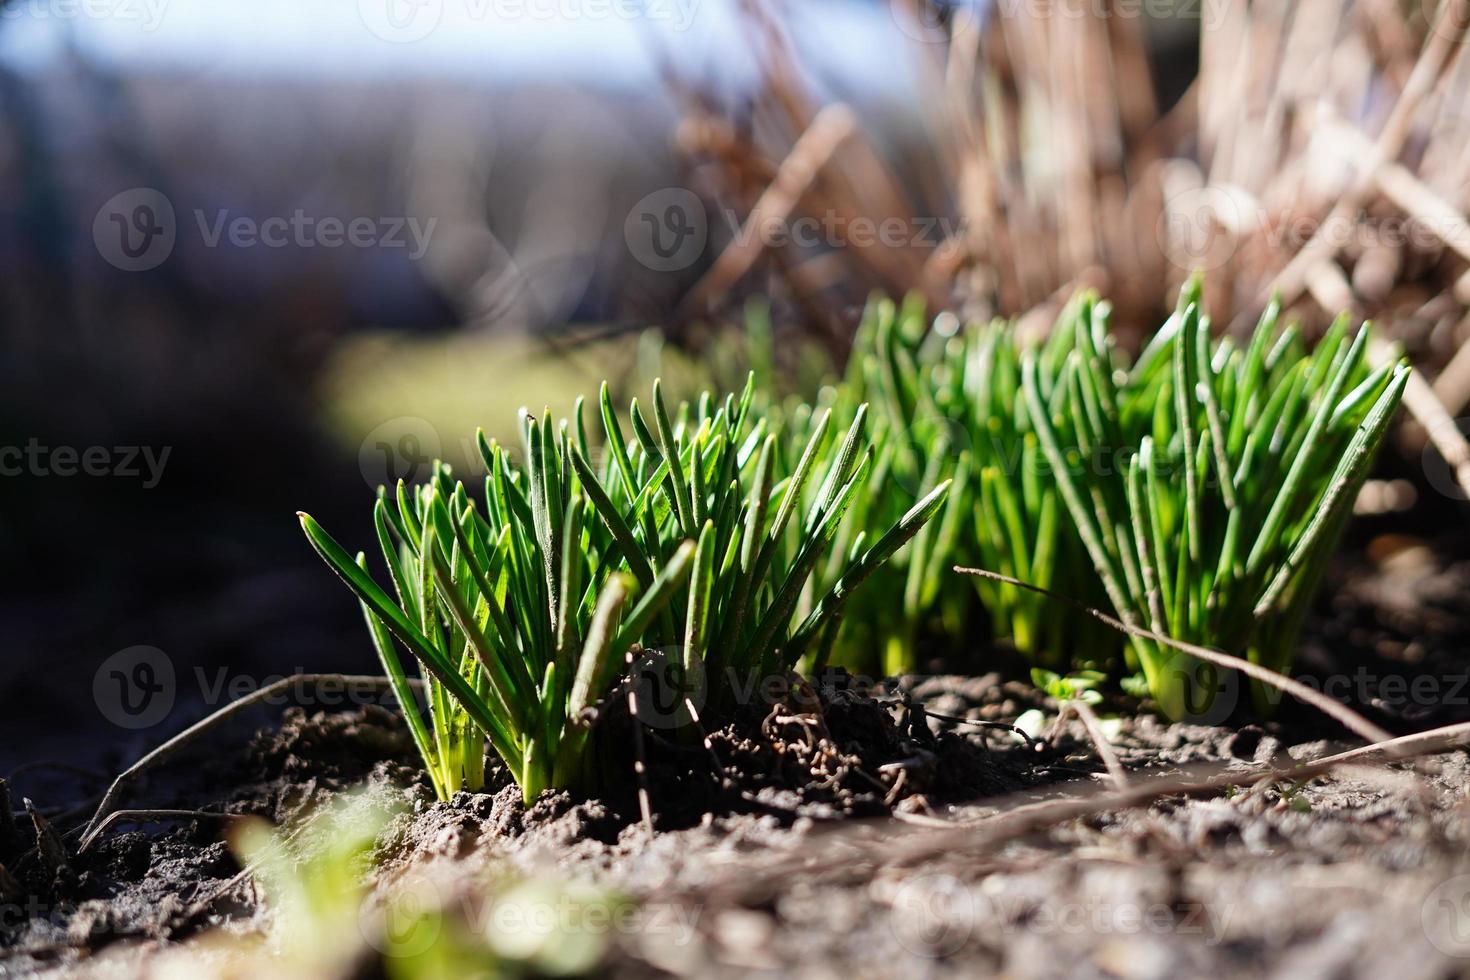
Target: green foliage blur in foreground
x=695, y=540
x=335, y=911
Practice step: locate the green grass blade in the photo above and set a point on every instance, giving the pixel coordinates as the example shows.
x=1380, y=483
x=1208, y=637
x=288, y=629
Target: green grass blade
x=1348, y=477
x=1082, y=515
x=406, y=632
x=602, y=504
x=1268, y=540
x=598, y=662
x=860, y=570
x=655, y=598
x=696, y=626
x=670, y=450
x=423, y=740
x=616, y=445
x=509, y=698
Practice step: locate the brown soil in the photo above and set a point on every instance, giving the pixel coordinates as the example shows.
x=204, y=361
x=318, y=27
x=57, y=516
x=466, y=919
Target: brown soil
x=822, y=842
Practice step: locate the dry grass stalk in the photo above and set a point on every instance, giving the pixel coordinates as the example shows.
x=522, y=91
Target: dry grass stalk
x=1318, y=153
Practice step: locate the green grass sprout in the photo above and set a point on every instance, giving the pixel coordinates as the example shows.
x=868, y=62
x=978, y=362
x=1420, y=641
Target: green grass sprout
x=693, y=537
x=1209, y=483
x=948, y=407
x=1199, y=490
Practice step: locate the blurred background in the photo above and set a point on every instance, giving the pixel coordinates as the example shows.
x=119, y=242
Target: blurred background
x=261, y=257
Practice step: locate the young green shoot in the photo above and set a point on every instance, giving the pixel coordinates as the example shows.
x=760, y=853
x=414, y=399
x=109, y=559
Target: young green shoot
x=690, y=539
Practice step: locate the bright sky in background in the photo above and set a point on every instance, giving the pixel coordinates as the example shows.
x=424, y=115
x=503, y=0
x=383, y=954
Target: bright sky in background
x=608, y=43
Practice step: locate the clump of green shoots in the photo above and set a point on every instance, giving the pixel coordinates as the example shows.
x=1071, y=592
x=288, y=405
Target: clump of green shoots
x=508, y=648
x=764, y=521
x=1071, y=471
x=916, y=599
x=1209, y=483
x=520, y=616
x=1021, y=526
x=948, y=407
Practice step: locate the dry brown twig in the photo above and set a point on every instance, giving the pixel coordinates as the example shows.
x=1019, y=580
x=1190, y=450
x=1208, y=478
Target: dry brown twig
x=828, y=133
x=1046, y=144
x=178, y=742
x=1339, y=712
x=1100, y=742
x=848, y=854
